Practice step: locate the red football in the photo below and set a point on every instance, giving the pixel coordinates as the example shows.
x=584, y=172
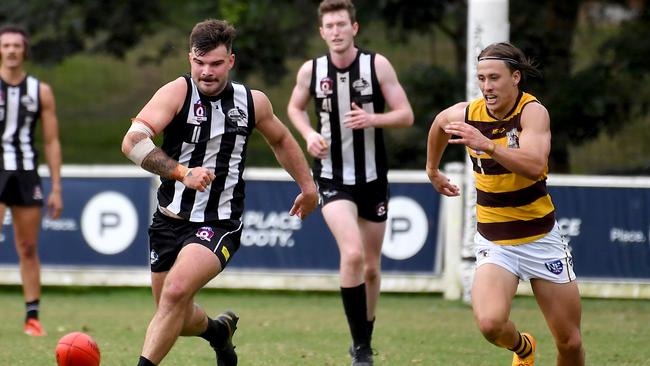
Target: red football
x=77, y=349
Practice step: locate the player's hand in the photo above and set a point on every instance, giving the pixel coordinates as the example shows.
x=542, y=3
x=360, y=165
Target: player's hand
x=358, y=118
x=469, y=136
x=442, y=184
x=304, y=204
x=198, y=178
x=54, y=205
x=316, y=145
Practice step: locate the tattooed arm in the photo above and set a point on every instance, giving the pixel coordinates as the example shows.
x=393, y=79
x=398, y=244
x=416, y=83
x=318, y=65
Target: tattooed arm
x=153, y=118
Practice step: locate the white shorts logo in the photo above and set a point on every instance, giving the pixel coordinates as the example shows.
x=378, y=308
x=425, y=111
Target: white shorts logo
x=109, y=222
x=406, y=229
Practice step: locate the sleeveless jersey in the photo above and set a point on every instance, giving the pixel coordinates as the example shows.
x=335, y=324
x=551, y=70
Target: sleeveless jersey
x=19, y=111
x=211, y=132
x=510, y=209
x=354, y=156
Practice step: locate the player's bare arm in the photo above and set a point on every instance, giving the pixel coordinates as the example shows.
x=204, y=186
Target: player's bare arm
x=287, y=152
x=52, y=147
x=436, y=143
x=297, y=112
x=152, y=119
x=400, y=113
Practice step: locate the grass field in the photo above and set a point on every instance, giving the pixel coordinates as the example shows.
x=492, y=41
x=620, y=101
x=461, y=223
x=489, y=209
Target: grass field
x=289, y=328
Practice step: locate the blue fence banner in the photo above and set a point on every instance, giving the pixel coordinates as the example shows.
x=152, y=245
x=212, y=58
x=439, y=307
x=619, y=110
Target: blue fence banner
x=273, y=240
x=104, y=223
x=608, y=229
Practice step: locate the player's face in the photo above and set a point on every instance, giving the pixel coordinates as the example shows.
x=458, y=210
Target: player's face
x=12, y=49
x=210, y=71
x=338, y=31
x=499, y=86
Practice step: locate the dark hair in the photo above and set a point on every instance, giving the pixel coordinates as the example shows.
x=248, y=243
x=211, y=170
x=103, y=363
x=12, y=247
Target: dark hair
x=210, y=34
x=328, y=6
x=513, y=57
x=11, y=28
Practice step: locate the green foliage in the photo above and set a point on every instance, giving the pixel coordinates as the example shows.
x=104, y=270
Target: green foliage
x=430, y=90
x=618, y=154
x=107, y=58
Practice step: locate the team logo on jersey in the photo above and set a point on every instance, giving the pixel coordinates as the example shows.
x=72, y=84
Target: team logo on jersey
x=29, y=103
x=555, y=266
x=200, y=114
x=153, y=257
x=238, y=116
x=513, y=138
x=381, y=209
x=360, y=85
x=483, y=253
x=205, y=233
x=326, y=85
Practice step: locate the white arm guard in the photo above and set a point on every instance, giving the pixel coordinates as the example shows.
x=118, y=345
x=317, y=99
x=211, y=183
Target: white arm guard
x=138, y=126
x=141, y=150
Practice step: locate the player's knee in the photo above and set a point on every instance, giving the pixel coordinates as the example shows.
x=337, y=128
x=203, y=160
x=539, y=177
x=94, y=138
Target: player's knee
x=569, y=345
x=491, y=328
x=371, y=272
x=27, y=249
x=352, y=257
x=175, y=292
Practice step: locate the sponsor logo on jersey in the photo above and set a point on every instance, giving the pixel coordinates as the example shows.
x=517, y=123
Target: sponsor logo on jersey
x=555, y=266
x=205, y=233
x=484, y=253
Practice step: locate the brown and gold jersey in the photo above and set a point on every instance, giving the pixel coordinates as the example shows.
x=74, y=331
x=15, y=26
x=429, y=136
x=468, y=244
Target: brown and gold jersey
x=510, y=209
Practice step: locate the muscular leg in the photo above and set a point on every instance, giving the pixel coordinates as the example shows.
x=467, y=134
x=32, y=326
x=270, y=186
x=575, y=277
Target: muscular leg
x=195, y=321
x=373, y=237
x=26, y=221
x=560, y=304
x=176, y=313
x=341, y=218
x=492, y=294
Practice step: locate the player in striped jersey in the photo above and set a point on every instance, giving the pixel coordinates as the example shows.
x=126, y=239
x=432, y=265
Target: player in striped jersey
x=206, y=121
x=507, y=135
x=23, y=100
x=350, y=87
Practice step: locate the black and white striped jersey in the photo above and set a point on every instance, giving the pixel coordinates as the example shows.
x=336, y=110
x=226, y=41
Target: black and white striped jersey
x=354, y=156
x=211, y=132
x=19, y=110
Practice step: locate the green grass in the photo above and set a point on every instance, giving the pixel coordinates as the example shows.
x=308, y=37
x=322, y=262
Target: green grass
x=288, y=328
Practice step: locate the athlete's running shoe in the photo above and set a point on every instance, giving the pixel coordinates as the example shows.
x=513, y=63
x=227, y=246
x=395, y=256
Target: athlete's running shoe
x=226, y=355
x=530, y=360
x=34, y=328
x=361, y=356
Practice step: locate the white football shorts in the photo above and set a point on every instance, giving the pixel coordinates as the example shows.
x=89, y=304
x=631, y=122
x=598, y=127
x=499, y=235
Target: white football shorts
x=548, y=258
